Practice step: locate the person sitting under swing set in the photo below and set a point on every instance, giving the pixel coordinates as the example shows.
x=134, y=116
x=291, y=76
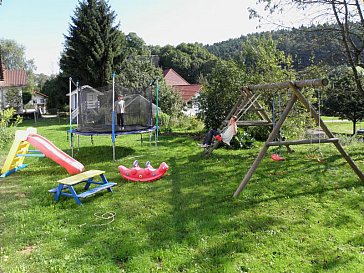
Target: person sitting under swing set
x=225, y=136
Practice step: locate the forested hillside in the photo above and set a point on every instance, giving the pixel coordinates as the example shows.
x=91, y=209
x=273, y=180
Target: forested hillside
x=307, y=45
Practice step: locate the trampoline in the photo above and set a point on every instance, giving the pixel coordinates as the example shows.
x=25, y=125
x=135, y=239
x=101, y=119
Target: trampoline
x=92, y=112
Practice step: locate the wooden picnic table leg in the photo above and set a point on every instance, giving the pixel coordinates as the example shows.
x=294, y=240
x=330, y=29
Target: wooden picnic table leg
x=104, y=180
x=74, y=194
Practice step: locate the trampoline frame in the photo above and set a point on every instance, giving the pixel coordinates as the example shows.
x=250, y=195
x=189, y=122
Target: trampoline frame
x=113, y=132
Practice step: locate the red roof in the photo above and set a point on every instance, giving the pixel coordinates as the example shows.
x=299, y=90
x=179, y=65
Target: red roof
x=40, y=94
x=14, y=78
x=172, y=78
x=188, y=91
x=182, y=86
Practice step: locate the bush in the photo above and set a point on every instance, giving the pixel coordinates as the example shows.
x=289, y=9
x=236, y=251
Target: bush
x=166, y=122
x=26, y=97
x=259, y=133
x=189, y=123
x=66, y=108
x=52, y=111
x=7, y=124
x=242, y=140
x=346, y=140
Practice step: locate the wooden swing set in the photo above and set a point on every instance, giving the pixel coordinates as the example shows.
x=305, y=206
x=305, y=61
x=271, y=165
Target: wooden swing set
x=248, y=101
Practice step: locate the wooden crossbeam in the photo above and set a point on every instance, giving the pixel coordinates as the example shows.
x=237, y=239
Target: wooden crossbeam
x=303, y=141
x=286, y=85
x=297, y=96
x=262, y=114
x=253, y=123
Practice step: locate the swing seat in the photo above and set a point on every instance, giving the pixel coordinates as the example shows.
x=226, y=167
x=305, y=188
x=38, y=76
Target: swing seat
x=276, y=157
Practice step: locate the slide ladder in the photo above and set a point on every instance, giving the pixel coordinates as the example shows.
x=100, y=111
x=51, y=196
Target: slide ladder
x=14, y=160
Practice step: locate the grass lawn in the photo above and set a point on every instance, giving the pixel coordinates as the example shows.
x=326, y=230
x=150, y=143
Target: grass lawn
x=294, y=216
x=341, y=126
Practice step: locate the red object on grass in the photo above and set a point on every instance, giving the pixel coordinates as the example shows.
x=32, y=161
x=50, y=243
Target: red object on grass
x=147, y=174
x=218, y=137
x=276, y=157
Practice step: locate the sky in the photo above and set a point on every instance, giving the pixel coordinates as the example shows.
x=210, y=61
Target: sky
x=40, y=25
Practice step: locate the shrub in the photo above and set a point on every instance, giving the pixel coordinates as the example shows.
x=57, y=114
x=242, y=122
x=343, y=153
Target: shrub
x=7, y=124
x=346, y=140
x=166, y=122
x=52, y=111
x=26, y=97
x=259, y=133
x=189, y=123
x=242, y=140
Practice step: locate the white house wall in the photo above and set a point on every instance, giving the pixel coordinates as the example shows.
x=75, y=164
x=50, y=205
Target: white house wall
x=4, y=103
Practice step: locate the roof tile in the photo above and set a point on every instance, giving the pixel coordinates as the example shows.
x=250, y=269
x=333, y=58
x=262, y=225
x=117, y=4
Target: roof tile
x=172, y=78
x=188, y=91
x=179, y=84
x=14, y=78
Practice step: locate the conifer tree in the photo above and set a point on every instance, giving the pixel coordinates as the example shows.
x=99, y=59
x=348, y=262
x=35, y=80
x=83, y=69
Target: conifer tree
x=94, y=47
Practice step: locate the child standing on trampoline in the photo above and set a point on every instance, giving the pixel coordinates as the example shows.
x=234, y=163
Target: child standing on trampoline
x=226, y=135
x=120, y=110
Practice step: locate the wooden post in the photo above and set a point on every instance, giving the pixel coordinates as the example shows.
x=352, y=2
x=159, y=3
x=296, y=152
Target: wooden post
x=264, y=150
x=262, y=114
x=326, y=130
x=242, y=101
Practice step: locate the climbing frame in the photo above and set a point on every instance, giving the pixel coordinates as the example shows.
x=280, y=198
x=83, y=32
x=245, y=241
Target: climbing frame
x=295, y=88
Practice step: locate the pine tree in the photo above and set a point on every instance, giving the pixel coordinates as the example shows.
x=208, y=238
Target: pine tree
x=94, y=47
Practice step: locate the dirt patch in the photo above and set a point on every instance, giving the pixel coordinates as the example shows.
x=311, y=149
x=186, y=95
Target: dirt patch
x=27, y=250
x=8, y=189
x=20, y=194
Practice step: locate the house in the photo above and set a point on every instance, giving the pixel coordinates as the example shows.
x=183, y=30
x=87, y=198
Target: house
x=39, y=100
x=90, y=97
x=85, y=98
x=11, y=89
x=189, y=92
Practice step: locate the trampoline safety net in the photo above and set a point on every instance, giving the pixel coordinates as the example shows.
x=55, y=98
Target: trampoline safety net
x=93, y=109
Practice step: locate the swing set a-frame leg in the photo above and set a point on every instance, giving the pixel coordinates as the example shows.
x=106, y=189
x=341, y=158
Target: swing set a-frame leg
x=264, y=150
x=297, y=95
x=327, y=131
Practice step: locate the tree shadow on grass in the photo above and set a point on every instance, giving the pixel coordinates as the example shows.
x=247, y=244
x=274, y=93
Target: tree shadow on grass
x=96, y=154
x=62, y=124
x=200, y=217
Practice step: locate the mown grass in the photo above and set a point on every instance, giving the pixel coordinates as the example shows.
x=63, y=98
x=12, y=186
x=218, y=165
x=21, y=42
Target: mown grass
x=343, y=127
x=340, y=126
x=294, y=216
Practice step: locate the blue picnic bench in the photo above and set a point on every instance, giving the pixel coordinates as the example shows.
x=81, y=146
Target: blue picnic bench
x=66, y=185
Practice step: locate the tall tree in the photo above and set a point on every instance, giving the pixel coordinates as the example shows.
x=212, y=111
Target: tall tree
x=56, y=87
x=13, y=58
x=94, y=47
x=344, y=13
x=343, y=99
x=139, y=69
x=191, y=61
x=220, y=93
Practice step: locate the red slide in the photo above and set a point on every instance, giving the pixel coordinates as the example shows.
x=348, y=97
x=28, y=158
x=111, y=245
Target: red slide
x=54, y=153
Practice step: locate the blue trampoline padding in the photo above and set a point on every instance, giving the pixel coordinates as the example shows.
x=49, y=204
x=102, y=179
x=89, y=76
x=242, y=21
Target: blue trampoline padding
x=117, y=133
